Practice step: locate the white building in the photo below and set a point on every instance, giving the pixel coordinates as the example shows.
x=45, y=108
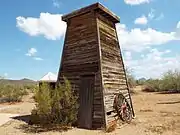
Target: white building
x=49, y=79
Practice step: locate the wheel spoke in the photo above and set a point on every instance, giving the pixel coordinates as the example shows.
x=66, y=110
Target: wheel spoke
x=123, y=108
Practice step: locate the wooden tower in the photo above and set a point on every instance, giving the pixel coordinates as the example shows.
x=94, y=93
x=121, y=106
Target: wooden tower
x=92, y=62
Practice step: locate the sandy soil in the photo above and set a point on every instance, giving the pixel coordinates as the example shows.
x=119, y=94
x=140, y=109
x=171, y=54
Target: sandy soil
x=24, y=107
x=156, y=114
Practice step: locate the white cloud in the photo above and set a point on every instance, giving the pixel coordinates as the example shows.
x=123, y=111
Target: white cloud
x=48, y=25
x=151, y=14
x=141, y=20
x=56, y=3
x=38, y=58
x=138, y=39
x=136, y=2
x=144, y=19
x=31, y=52
x=153, y=64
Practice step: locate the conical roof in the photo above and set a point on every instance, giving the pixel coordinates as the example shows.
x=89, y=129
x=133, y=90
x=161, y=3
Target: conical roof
x=49, y=77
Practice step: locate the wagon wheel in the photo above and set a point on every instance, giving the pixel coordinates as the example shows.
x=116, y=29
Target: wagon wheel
x=123, y=108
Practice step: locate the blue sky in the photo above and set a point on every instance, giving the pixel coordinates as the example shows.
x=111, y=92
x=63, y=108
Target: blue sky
x=32, y=35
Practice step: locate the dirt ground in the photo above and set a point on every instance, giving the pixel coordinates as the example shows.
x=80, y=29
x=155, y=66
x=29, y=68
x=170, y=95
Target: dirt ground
x=156, y=114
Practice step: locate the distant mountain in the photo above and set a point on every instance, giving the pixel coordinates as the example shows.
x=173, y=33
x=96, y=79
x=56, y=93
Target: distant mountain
x=142, y=79
x=24, y=81
x=27, y=80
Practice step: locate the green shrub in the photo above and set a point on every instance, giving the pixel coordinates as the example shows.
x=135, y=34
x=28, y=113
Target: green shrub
x=43, y=99
x=31, y=88
x=152, y=85
x=1, y=90
x=55, y=106
x=41, y=114
x=169, y=82
x=12, y=93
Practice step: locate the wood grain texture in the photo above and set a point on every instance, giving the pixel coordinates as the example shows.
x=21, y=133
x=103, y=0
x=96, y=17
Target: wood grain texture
x=81, y=57
x=91, y=47
x=94, y=7
x=114, y=79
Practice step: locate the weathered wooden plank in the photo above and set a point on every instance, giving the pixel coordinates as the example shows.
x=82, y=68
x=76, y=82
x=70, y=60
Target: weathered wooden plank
x=91, y=47
x=106, y=33
x=89, y=37
x=109, y=108
x=81, y=34
x=94, y=7
x=97, y=93
x=81, y=43
x=106, y=22
x=110, y=118
x=85, y=54
x=114, y=86
x=110, y=33
x=114, y=79
x=97, y=107
x=81, y=61
x=111, y=65
x=115, y=91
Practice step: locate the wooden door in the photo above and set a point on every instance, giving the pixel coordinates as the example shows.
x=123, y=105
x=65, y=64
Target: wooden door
x=86, y=101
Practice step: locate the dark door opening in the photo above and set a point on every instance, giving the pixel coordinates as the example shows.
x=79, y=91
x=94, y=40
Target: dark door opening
x=86, y=101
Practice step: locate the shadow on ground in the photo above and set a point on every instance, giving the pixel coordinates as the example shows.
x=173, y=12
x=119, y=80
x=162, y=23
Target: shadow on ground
x=172, y=102
x=27, y=128
x=38, y=129
x=169, y=92
x=24, y=118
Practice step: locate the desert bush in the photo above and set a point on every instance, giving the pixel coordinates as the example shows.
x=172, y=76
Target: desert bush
x=152, y=85
x=1, y=90
x=43, y=101
x=64, y=102
x=131, y=81
x=169, y=82
x=12, y=93
x=31, y=88
x=141, y=81
x=130, y=78
x=58, y=106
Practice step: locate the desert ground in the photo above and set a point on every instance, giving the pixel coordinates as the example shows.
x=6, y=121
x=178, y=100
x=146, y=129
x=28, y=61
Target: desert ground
x=156, y=114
